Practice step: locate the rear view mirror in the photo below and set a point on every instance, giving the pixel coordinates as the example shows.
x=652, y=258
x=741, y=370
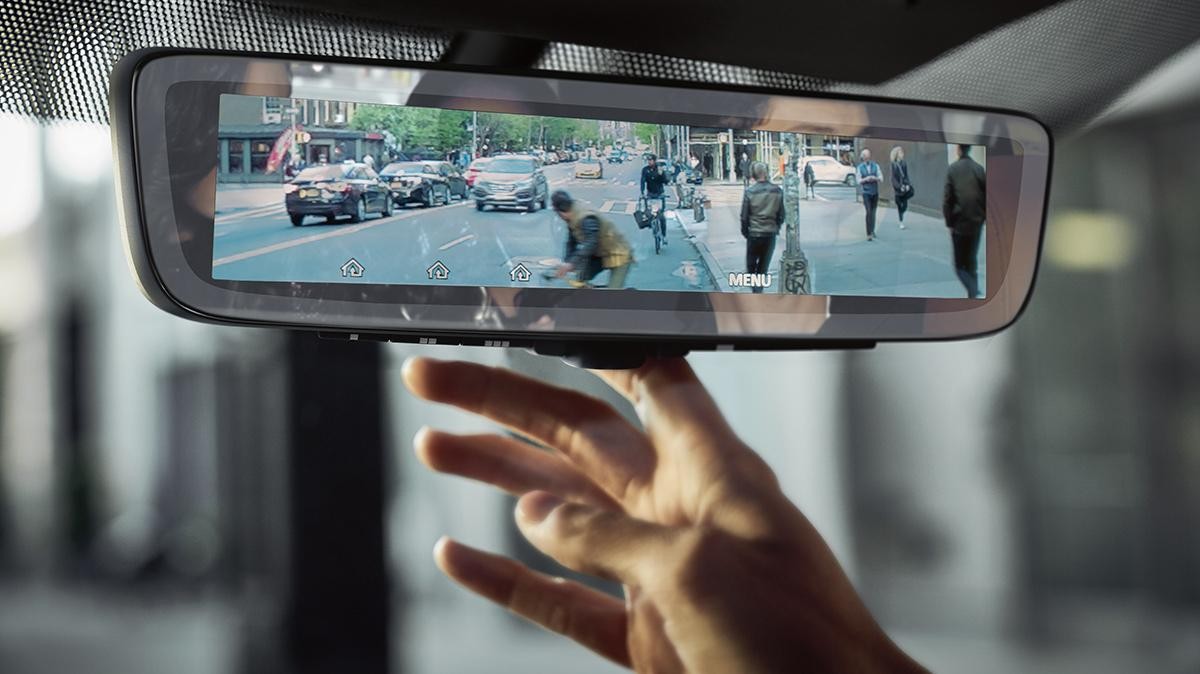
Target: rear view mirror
x=293, y=193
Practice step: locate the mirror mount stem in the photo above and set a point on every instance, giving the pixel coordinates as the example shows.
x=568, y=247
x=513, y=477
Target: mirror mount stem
x=477, y=48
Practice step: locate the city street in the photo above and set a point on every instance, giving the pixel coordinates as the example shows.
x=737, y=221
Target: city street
x=253, y=239
x=913, y=262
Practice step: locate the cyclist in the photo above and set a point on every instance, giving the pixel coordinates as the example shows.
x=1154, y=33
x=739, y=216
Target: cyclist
x=593, y=243
x=654, y=182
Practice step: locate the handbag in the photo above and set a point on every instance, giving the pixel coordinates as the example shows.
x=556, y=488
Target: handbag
x=642, y=215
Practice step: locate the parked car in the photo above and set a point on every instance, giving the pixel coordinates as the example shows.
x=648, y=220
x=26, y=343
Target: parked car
x=551, y=158
x=511, y=181
x=453, y=177
x=589, y=167
x=335, y=190
x=419, y=182
x=474, y=169
x=829, y=170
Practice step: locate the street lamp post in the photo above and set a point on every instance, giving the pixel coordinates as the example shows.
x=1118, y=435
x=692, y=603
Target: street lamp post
x=794, y=265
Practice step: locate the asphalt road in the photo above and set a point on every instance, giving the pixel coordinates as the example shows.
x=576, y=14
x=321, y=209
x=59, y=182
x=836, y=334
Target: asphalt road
x=479, y=248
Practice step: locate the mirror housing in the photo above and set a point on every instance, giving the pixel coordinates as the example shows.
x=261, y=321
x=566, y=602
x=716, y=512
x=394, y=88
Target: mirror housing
x=198, y=252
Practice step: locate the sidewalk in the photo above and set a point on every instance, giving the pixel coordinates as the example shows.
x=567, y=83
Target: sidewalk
x=914, y=262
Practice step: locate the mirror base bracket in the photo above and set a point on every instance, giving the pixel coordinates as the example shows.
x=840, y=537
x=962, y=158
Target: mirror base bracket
x=603, y=355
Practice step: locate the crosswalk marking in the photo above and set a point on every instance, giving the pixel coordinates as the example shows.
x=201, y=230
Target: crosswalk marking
x=623, y=207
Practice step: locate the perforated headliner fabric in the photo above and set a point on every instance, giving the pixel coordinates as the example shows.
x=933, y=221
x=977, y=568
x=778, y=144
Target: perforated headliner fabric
x=55, y=55
x=1065, y=64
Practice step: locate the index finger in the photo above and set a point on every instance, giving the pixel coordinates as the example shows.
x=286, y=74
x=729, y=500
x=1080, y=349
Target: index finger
x=606, y=447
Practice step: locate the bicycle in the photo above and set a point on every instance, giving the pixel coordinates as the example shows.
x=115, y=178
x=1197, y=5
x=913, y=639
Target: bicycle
x=699, y=201
x=684, y=194
x=658, y=220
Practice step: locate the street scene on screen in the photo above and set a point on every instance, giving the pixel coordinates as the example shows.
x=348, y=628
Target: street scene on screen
x=342, y=192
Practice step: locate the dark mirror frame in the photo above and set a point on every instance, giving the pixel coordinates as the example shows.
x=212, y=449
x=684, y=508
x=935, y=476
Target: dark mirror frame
x=164, y=125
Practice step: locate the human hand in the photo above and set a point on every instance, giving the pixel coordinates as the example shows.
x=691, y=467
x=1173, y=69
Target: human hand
x=721, y=572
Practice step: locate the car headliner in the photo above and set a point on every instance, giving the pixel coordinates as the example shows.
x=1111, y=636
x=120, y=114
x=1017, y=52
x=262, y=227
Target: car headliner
x=1066, y=63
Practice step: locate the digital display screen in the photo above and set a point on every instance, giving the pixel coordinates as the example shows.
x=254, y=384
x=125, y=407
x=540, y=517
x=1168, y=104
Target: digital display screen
x=334, y=191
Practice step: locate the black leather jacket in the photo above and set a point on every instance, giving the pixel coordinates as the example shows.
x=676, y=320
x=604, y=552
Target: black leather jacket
x=654, y=180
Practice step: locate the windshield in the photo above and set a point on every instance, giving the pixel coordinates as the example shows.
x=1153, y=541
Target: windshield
x=323, y=173
x=187, y=497
x=510, y=165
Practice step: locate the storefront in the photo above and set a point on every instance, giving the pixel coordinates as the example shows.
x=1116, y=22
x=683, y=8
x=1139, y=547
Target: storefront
x=244, y=150
x=720, y=150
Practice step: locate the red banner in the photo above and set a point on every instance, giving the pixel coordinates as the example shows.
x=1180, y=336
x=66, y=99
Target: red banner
x=283, y=144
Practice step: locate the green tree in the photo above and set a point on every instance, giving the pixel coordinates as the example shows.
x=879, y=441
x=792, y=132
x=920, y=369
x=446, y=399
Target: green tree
x=645, y=133
x=442, y=130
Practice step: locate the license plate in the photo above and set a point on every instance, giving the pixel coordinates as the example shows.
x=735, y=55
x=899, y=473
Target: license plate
x=310, y=194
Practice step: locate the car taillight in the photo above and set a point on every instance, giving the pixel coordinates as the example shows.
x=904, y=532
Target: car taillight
x=344, y=188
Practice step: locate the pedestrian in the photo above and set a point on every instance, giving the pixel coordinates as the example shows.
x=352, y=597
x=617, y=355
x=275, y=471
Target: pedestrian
x=964, y=205
x=902, y=189
x=708, y=165
x=810, y=181
x=743, y=170
x=868, y=177
x=762, y=216
x=593, y=245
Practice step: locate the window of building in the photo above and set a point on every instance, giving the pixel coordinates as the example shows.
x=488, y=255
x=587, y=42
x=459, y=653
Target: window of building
x=259, y=151
x=235, y=156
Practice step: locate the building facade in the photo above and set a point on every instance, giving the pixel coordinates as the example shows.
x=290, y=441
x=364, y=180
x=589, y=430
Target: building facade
x=251, y=125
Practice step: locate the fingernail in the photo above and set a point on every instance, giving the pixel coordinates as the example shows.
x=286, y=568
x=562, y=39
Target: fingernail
x=538, y=505
x=419, y=436
x=439, y=546
x=406, y=368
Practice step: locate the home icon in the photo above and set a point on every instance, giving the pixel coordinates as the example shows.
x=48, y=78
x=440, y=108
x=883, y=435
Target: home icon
x=519, y=273
x=353, y=268
x=438, y=271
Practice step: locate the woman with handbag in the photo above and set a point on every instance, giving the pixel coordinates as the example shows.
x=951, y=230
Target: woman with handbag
x=902, y=188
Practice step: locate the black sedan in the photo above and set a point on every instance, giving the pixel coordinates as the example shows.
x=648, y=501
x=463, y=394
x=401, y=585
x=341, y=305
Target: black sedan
x=335, y=190
x=428, y=183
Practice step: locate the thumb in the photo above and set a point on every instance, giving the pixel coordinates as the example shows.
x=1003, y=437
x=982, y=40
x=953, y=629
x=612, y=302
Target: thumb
x=595, y=541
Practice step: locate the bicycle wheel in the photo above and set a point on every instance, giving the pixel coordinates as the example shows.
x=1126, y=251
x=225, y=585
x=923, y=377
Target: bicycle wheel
x=657, y=240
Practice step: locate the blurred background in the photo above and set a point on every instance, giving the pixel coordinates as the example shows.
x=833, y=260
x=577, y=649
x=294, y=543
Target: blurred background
x=194, y=499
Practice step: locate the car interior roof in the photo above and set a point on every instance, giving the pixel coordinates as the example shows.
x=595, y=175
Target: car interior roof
x=1066, y=63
